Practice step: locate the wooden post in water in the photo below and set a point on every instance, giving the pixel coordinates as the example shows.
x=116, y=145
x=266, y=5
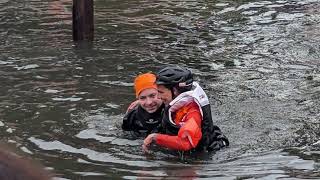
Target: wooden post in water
x=82, y=20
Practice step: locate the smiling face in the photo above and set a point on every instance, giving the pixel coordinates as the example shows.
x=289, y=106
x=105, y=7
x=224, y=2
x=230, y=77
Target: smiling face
x=149, y=101
x=165, y=94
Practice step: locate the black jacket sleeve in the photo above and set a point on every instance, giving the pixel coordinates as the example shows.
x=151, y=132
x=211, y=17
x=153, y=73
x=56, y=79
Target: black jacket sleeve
x=128, y=120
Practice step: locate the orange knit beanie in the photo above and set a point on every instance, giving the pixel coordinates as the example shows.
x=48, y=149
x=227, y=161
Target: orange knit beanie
x=144, y=81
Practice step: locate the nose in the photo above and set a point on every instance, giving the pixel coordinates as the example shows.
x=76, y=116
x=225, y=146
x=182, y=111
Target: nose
x=149, y=100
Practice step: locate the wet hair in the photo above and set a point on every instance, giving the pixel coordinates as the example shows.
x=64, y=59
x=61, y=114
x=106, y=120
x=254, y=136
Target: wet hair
x=179, y=89
x=13, y=167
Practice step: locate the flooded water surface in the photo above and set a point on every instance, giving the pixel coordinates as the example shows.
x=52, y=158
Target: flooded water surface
x=62, y=103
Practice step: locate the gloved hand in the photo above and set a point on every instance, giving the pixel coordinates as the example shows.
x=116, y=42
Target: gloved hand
x=133, y=105
x=147, y=142
x=220, y=142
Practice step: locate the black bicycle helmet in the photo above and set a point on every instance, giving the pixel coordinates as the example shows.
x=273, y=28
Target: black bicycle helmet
x=174, y=76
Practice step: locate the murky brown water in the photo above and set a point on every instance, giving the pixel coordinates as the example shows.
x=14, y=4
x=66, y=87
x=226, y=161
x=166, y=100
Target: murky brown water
x=62, y=103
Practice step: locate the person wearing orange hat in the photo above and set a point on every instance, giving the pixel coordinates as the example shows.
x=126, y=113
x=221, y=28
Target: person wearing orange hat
x=186, y=124
x=144, y=116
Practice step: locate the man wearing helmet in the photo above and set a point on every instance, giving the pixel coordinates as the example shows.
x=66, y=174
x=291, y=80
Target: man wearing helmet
x=145, y=115
x=187, y=121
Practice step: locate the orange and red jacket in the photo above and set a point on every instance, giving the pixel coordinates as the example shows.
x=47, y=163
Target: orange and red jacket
x=188, y=118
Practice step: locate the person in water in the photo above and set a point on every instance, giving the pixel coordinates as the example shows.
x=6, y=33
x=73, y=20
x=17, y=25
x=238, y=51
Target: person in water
x=187, y=121
x=144, y=115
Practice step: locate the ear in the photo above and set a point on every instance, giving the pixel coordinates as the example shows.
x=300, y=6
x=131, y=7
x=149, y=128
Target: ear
x=175, y=91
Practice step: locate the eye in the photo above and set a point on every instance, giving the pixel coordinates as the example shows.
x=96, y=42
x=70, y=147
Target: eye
x=142, y=97
x=153, y=95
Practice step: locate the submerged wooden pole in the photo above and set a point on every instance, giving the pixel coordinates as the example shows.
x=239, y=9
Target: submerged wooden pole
x=82, y=20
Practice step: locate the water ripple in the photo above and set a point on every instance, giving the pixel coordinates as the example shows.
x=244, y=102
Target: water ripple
x=63, y=102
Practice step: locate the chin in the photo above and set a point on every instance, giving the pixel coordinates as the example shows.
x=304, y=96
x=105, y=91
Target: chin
x=151, y=111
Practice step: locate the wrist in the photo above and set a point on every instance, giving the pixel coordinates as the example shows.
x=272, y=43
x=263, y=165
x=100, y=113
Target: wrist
x=154, y=137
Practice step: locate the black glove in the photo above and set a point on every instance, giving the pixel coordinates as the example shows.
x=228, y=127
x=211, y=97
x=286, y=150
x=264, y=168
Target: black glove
x=220, y=142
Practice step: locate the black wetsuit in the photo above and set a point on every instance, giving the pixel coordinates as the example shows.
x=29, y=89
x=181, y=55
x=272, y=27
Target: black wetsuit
x=141, y=122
